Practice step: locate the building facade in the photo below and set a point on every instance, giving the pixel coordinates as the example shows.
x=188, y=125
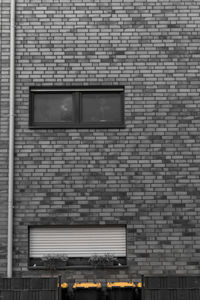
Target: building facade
x=137, y=168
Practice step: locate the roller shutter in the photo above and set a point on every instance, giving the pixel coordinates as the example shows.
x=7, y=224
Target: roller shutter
x=77, y=241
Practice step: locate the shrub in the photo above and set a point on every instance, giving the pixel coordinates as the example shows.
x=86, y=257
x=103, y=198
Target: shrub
x=103, y=260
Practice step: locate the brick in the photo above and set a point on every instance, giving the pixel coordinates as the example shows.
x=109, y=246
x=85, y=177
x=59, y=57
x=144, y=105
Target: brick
x=146, y=175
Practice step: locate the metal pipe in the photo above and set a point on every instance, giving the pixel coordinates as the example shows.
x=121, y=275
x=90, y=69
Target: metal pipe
x=11, y=140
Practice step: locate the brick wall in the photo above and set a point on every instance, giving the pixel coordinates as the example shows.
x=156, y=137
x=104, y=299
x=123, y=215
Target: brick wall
x=4, y=111
x=146, y=175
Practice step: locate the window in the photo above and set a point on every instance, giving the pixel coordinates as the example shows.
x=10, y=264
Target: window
x=78, y=244
x=76, y=108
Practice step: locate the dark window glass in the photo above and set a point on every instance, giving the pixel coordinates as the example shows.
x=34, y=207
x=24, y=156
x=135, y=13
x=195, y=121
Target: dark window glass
x=102, y=107
x=53, y=108
x=74, y=108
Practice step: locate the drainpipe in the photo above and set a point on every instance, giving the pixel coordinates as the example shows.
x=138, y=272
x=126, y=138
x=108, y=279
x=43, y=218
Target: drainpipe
x=11, y=140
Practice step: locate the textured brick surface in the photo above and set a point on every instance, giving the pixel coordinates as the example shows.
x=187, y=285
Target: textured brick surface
x=146, y=175
x=4, y=107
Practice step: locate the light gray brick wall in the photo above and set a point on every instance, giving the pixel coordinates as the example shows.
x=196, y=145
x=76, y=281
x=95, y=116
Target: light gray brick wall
x=146, y=175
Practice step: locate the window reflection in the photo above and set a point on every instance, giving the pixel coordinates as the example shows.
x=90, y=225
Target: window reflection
x=53, y=108
x=101, y=107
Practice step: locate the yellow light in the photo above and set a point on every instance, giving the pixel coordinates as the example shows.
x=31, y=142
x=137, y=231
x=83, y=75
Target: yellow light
x=120, y=284
x=87, y=285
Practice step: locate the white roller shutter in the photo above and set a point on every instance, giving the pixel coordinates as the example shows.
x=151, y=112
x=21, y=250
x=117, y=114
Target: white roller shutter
x=77, y=241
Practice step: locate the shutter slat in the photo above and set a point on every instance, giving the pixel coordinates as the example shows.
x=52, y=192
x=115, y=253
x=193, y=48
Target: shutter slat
x=77, y=241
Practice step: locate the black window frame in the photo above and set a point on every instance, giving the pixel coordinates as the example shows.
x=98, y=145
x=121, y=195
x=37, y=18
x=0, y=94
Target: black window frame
x=77, y=93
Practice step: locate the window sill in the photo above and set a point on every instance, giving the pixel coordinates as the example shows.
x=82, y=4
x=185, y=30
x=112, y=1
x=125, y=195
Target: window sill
x=59, y=126
x=79, y=267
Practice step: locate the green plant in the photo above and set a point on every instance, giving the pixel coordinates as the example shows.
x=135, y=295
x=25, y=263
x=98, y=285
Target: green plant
x=103, y=260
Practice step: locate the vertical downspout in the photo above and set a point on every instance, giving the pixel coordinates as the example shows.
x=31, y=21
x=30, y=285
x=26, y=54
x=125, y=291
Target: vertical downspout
x=11, y=140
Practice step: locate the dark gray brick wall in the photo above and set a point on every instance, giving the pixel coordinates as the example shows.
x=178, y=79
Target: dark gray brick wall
x=146, y=175
x=4, y=108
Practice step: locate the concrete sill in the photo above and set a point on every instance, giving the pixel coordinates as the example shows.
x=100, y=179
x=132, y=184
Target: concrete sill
x=79, y=267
